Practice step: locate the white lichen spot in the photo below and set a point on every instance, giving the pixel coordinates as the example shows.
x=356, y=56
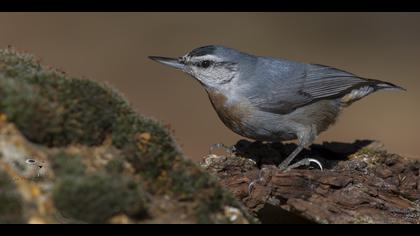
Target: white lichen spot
x=233, y=214
x=210, y=159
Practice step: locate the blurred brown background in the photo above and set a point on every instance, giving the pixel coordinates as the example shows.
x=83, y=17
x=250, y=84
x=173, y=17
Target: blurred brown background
x=113, y=47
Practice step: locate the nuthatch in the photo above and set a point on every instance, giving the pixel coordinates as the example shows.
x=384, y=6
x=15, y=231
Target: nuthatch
x=273, y=99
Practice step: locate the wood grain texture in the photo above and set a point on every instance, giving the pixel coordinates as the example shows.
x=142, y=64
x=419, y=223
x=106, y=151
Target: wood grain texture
x=362, y=183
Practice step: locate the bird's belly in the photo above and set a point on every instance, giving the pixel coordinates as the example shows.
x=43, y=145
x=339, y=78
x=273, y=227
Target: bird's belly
x=249, y=122
x=268, y=127
x=254, y=129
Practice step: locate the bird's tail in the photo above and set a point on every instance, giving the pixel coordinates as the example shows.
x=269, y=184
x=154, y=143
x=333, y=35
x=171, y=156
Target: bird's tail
x=381, y=85
x=370, y=87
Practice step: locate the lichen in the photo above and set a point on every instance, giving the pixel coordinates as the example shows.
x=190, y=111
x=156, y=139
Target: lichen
x=363, y=219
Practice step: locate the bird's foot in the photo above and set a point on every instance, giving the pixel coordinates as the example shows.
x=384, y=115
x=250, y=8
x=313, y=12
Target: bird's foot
x=228, y=149
x=303, y=162
x=257, y=180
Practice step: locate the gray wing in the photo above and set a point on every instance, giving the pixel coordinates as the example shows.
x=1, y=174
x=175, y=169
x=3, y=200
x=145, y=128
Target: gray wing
x=290, y=85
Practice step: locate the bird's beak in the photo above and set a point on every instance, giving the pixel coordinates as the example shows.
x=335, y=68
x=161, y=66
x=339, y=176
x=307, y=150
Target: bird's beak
x=172, y=62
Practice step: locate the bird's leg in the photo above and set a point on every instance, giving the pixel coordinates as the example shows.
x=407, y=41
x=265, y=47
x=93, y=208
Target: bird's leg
x=229, y=149
x=285, y=164
x=306, y=137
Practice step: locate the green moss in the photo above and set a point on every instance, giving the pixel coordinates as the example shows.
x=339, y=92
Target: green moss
x=213, y=204
x=96, y=198
x=185, y=183
x=56, y=113
x=64, y=165
x=11, y=209
x=158, y=153
x=115, y=166
x=53, y=109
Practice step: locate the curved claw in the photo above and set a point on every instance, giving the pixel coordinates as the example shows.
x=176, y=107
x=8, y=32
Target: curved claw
x=251, y=186
x=316, y=162
x=259, y=179
x=305, y=162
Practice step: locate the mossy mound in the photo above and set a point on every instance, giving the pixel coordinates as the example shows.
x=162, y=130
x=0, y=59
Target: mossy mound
x=102, y=159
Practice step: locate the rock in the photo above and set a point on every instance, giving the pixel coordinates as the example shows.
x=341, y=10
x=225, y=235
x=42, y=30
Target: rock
x=74, y=151
x=361, y=183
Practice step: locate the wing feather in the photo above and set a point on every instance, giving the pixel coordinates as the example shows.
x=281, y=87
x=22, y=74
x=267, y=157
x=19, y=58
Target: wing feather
x=314, y=82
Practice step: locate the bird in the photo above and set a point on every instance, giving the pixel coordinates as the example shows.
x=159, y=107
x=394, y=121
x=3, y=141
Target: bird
x=274, y=99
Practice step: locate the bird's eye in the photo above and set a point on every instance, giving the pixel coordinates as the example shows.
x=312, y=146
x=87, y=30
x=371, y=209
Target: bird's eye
x=205, y=63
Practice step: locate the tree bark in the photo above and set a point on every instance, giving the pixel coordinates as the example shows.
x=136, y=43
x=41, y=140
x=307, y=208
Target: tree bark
x=360, y=183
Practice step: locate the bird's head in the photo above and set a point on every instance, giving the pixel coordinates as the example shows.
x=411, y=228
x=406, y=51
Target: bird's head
x=213, y=66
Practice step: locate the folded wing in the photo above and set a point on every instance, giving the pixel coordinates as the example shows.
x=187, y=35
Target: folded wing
x=298, y=85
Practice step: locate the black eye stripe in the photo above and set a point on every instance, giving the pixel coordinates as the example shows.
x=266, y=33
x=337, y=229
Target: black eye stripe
x=203, y=64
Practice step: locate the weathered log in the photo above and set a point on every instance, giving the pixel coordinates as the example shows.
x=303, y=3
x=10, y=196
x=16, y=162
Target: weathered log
x=360, y=183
